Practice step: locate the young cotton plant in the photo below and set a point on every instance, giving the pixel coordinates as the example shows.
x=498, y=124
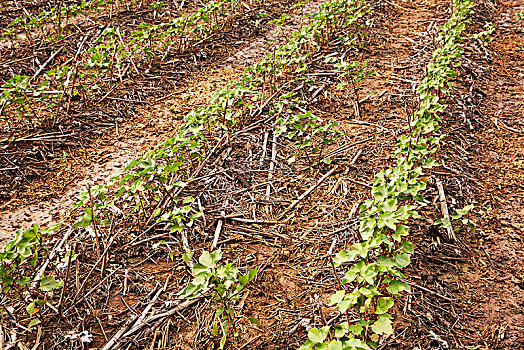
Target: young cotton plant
x=148, y=192
x=15, y=93
x=459, y=214
x=302, y=129
x=21, y=95
x=374, y=279
x=224, y=285
x=18, y=262
x=485, y=36
x=58, y=17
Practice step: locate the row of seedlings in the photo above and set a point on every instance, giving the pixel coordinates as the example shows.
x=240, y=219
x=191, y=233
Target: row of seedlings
x=367, y=291
x=95, y=71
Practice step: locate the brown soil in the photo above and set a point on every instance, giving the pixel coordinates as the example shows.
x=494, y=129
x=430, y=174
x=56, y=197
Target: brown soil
x=493, y=279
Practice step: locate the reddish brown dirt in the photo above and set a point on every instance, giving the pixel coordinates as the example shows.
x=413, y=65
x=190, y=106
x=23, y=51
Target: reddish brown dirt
x=493, y=279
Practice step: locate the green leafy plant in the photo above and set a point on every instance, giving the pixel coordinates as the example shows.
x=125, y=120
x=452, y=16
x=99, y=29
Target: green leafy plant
x=370, y=285
x=302, y=128
x=14, y=93
x=485, y=35
x=459, y=214
x=224, y=284
x=18, y=262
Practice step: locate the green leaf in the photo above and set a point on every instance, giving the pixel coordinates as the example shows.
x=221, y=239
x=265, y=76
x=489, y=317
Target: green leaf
x=349, y=300
x=400, y=231
x=384, y=304
x=216, y=256
x=356, y=344
x=196, y=216
x=369, y=274
x=444, y=223
x=344, y=256
x=382, y=325
x=253, y=320
x=248, y=277
x=472, y=225
x=30, y=309
x=188, y=200
x=49, y=283
x=402, y=260
x=341, y=329
x=225, y=327
x=456, y=215
x=337, y=297
x=350, y=276
x=308, y=345
x=34, y=322
x=191, y=290
x=23, y=281
x=334, y=345
x=317, y=335
x=407, y=247
x=186, y=257
x=206, y=259
x=397, y=287
x=198, y=268
x=356, y=329
x=385, y=261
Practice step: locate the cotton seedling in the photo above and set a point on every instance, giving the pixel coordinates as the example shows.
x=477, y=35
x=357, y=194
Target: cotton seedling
x=224, y=286
x=18, y=262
